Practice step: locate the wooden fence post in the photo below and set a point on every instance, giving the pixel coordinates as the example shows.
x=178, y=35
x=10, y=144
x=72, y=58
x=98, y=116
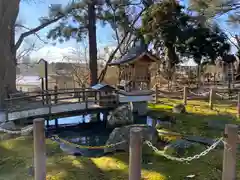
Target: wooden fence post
x=7, y=106
x=39, y=149
x=211, y=99
x=135, y=156
x=185, y=95
x=55, y=94
x=156, y=93
x=238, y=106
x=230, y=150
x=86, y=98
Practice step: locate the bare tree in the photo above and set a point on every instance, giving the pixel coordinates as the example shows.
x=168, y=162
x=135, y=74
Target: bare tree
x=9, y=10
x=79, y=62
x=124, y=39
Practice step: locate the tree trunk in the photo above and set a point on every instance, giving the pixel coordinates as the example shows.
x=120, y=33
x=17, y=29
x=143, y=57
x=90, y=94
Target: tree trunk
x=92, y=43
x=9, y=11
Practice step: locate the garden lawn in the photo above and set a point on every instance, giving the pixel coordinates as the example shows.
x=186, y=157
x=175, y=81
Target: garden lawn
x=16, y=155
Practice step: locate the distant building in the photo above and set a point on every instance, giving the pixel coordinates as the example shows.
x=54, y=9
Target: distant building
x=64, y=75
x=28, y=83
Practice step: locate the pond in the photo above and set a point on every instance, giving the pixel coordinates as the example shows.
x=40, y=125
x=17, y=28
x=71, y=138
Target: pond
x=85, y=130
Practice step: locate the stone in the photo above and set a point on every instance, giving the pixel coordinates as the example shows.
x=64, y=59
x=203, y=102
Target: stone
x=182, y=147
x=141, y=108
x=8, y=125
x=167, y=118
x=201, y=140
x=31, y=171
x=122, y=134
x=179, y=108
x=70, y=149
x=217, y=124
x=163, y=124
x=120, y=116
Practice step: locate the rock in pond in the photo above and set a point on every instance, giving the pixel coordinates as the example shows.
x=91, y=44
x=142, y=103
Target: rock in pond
x=179, y=108
x=122, y=134
x=120, y=116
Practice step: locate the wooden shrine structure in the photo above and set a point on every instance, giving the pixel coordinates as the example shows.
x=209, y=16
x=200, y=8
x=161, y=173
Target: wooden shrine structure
x=134, y=73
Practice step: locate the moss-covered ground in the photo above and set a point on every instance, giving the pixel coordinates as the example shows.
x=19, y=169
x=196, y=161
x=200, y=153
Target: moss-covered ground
x=16, y=155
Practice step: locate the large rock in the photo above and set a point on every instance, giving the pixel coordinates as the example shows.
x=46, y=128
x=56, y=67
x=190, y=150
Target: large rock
x=8, y=125
x=120, y=116
x=218, y=124
x=181, y=147
x=122, y=134
x=202, y=140
x=179, y=108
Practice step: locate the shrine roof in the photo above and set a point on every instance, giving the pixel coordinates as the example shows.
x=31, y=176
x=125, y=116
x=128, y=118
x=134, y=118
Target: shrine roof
x=133, y=54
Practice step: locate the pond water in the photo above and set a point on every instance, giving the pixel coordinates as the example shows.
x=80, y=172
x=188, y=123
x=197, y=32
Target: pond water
x=69, y=121
x=84, y=130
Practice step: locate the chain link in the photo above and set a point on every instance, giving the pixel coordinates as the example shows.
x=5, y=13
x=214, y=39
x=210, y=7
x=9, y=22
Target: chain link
x=225, y=96
x=24, y=130
x=187, y=159
x=199, y=94
x=55, y=137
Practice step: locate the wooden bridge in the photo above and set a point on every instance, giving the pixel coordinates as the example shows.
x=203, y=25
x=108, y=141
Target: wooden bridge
x=58, y=102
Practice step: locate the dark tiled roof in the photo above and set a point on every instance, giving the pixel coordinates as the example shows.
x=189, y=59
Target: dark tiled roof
x=133, y=53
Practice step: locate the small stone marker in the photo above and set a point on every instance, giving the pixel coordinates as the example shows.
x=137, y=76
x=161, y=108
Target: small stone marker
x=179, y=108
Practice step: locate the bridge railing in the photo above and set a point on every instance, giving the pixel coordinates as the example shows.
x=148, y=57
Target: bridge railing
x=41, y=99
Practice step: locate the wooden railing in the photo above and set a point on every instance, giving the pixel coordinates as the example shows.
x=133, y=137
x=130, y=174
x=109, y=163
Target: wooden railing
x=32, y=100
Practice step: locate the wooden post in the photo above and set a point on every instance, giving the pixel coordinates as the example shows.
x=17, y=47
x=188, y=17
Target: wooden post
x=156, y=93
x=135, y=156
x=211, y=99
x=39, y=149
x=42, y=87
x=154, y=123
x=230, y=150
x=185, y=95
x=56, y=123
x=238, y=106
x=55, y=94
x=7, y=103
x=86, y=99
x=95, y=96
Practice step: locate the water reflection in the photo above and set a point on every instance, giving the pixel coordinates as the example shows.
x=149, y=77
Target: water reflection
x=93, y=134
x=92, y=137
x=68, y=121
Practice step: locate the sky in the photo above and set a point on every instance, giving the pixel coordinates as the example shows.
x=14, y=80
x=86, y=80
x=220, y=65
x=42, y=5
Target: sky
x=31, y=12
x=29, y=15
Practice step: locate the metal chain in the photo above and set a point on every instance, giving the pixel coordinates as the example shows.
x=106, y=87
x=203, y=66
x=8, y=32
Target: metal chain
x=199, y=94
x=225, y=96
x=24, y=130
x=87, y=147
x=187, y=159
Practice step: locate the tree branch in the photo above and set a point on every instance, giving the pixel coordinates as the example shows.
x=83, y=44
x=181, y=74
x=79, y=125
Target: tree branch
x=26, y=28
x=35, y=30
x=104, y=70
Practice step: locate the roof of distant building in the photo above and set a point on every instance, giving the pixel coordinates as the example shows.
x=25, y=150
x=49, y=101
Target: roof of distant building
x=136, y=51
